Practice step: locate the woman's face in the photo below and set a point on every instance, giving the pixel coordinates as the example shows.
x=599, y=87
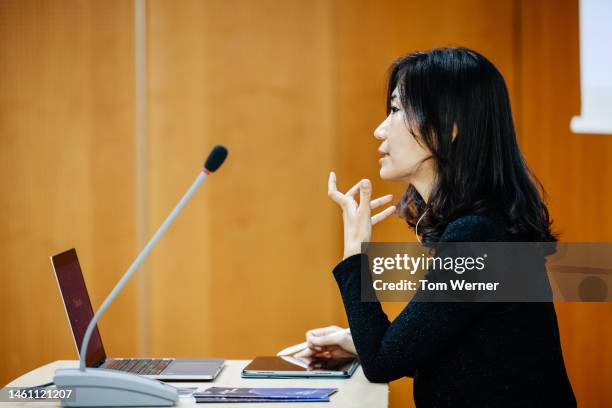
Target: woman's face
x=402, y=156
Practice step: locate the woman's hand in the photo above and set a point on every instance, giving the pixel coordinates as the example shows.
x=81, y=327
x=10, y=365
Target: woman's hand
x=328, y=342
x=357, y=218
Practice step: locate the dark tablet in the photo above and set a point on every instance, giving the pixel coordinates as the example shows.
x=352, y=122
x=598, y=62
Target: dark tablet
x=292, y=367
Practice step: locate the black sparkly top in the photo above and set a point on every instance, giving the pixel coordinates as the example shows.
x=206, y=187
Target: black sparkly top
x=460, y=354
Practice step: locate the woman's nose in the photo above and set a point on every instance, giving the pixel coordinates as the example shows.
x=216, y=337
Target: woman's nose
x=381, y=131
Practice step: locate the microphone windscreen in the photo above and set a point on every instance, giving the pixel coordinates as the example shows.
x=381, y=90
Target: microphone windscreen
x=215, y=158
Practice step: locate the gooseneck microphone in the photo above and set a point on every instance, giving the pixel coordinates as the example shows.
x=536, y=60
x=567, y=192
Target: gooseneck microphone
x=83, y=378
x=215, y=159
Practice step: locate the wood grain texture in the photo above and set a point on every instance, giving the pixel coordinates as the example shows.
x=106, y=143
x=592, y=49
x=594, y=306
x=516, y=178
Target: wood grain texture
x=66, y=158
x=294, y=89
x=247, y=264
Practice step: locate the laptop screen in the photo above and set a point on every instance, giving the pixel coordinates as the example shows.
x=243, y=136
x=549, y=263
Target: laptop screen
x=77, y=304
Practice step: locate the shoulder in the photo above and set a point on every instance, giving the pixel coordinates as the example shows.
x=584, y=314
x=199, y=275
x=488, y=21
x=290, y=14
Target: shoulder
x=474, y=228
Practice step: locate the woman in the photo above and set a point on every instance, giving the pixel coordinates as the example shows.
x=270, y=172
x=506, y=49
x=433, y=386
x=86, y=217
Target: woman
x=450, y=137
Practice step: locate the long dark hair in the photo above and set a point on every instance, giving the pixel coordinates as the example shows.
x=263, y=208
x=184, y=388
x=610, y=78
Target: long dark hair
x=479, y=172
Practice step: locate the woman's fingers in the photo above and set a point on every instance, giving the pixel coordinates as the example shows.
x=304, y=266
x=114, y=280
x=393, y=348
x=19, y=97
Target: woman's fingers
x=350, y=193
x=337, y=196
x=307, y=352
x=365, y=190
x=380, y=201
x=322, y=331
x=328, y=339
x=353, y=190
x=325, y=352
x=332, y=190
x=383, y=214
x=332, y=352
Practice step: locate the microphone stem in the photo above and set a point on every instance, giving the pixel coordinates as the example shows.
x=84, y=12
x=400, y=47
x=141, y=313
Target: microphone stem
x=137, y=262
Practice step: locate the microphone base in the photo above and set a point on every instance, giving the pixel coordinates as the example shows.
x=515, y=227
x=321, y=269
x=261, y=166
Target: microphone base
x=98, y=387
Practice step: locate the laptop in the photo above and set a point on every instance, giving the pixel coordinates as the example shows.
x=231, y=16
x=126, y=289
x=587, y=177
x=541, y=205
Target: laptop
x=79, y=311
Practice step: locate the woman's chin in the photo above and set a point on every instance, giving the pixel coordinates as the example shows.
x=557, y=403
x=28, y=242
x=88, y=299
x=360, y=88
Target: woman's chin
x=386, y=175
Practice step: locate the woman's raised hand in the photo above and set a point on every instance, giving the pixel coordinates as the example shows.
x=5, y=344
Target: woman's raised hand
x=357, y=218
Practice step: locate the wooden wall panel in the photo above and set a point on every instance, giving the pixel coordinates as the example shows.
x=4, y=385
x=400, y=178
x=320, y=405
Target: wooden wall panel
x=575, y=170
x=66, y=176
x=295, y=89
x=246, y=268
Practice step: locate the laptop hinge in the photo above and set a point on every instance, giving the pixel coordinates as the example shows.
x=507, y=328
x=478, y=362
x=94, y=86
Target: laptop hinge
x=99, y=363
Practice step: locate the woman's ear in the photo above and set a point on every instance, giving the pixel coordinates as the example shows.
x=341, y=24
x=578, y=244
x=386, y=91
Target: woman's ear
x=455, y=131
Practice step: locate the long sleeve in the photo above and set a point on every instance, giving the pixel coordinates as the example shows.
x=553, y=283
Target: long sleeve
x=391, y=350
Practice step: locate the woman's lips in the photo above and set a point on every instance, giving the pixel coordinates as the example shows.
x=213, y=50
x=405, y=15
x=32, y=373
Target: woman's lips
x=385, y=155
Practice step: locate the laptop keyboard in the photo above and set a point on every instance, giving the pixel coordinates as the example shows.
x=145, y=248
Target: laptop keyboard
x=146, y=366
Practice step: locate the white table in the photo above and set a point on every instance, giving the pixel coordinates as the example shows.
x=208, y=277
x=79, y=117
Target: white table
x=354, y=392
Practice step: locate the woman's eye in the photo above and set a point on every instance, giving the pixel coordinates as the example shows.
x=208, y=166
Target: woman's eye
x=394, y=109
